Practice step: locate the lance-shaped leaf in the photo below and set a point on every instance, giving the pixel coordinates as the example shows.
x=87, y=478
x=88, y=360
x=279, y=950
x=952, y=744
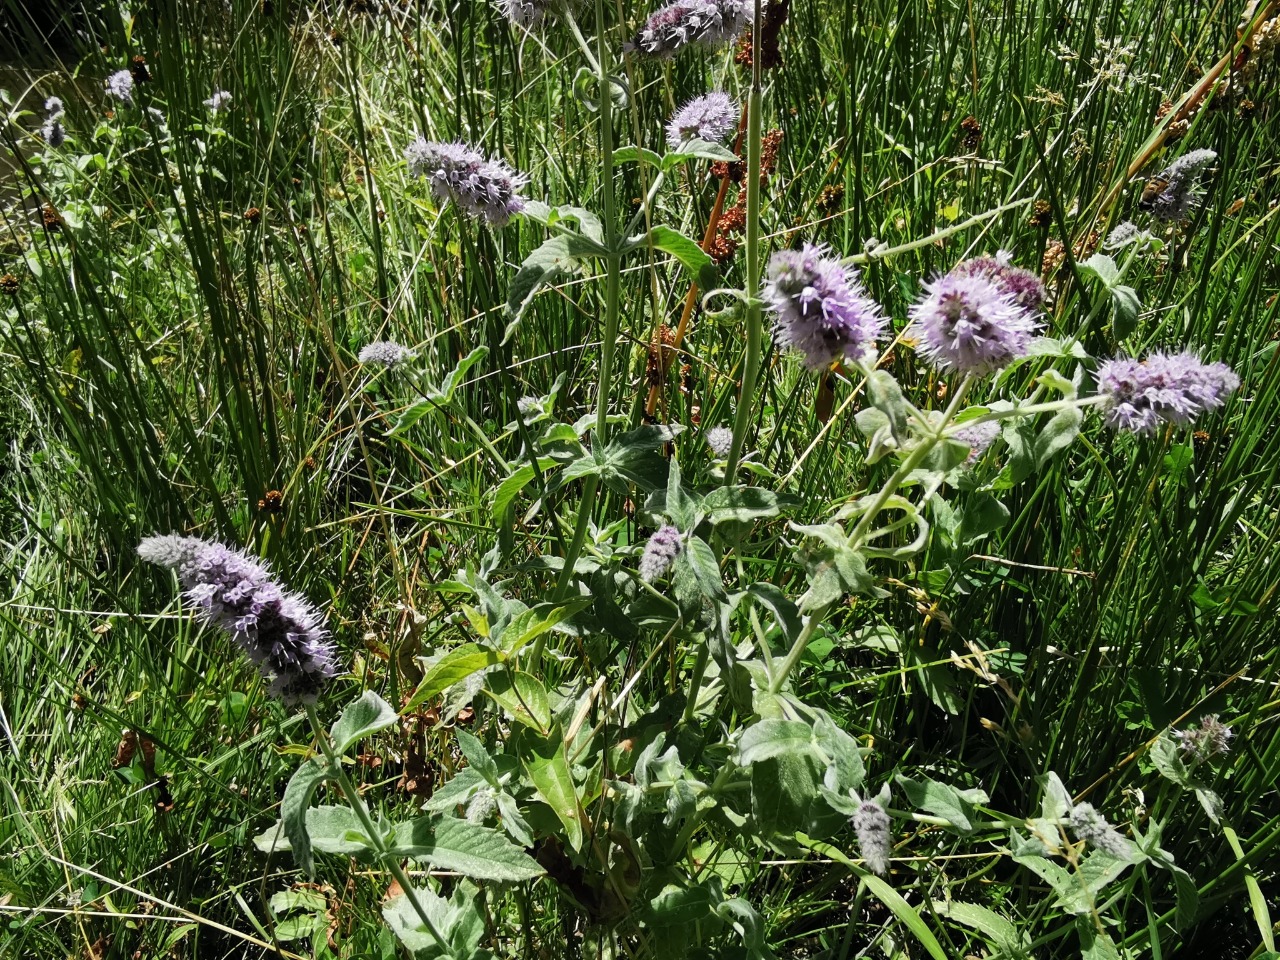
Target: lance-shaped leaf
x=468, y=848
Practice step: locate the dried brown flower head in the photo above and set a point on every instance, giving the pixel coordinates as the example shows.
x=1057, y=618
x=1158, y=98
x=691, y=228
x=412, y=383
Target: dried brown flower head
x=139, y=70
x=51, y=218
x=830, y=200
x=9, y=284
x=272, y=502
x=970, y=134
x=252, y=215
x=1041, y=214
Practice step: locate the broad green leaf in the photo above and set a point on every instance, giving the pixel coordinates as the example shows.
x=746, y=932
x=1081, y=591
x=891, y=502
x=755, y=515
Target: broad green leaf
x=675, y=904
x=475, y=851
x=1058, y=434
x=695, y=147
x=533, y=623
x=477, y=756
x=559, y=255
x=631, y=153
x=523, y=696
x=360, y=719
x=460, y=920
x=293, y=815
x=785, y=613
x=944, y=800
x=457, y=791
x=455, y=666
x=1102, y=267
x=743, y=504
x=691, y=256
x=547, y=766
x=510, y=488
x=436, y=399
x=766, y=739
x=1094, y=943
x=335, y=829
x=1000, y=931
x=1124, y=311
x=700, y=560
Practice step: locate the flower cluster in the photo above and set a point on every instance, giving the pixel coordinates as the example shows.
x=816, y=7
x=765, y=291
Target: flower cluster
x=386, y=352
x=660, y=552
x=1021, y=286
x=526, y=13
x=978, y=437
x=1210, y=738
x=281, y=631
x=1092, y=827
x=1163, y=388
x=711, y=23
x=720, y=439
x=52, y=131
x=484, y=189
x=218, y=102
x=120, y=86
x=871, y=824
x=1174, y=192
x=822, y=309
x=971, y=322
x=712, y=117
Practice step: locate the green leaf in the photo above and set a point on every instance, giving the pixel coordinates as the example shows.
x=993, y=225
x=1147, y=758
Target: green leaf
x=531, y=624
x=699, y=560
x=475, y=851
x=293, y=814
x=694, y=147
x=360, y=719
x=1103, y=267
x=1124, y=311
x=766, y=739
x=455, y=666
x=460, y=920
x=785, y=613
x=1000, y=932
x=1094, y=943
x=633, y=154
x=1058, y=434
x=944, y=800
x=547, y=766
x=477, y=756
x=523, y=696
x=558, y=256
x=675, y=904
x=510, y=488
x=691, y=256
x=335, y=829
x=437, y=398
x=743, y=504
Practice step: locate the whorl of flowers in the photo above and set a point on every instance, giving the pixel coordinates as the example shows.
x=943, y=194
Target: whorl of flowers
x=386, y=352
x=822, y=309
x=218, y=102
x=971, y=323
x=710, y=23
x=1022, y=286
x=526, y=13
x=1163, y=388
x=484, y=189
x=1122, y=235
x=712, y=117
x=1210, y=738
x=52, y=131
x=120, y=86
x=660, y=552
x=280, y=631
x=871, y=824
x=978, y=437
x=1093, y=828
x=1180, y=193
x=720, y=439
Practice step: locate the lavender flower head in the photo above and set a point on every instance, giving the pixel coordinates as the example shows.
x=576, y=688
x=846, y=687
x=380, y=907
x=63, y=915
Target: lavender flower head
x=1178, y=191
x=972, y=324
x=281, y=631
x=660, y=552
x=218, y=102
x=720, y=439
x=484, y=189
x=386, y=352
x=1092, y=827
x=712, y=117
x=526, y=13
x=1164, y=388
x=978, y=437
x=711, y=23
x=53, y=107
x=120, y=86
x=1022, y=286
x=822, y=309
x=1210, y=738
x=871, y=824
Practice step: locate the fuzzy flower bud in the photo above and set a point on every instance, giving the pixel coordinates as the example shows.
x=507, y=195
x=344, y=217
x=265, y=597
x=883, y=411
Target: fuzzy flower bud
x=1092, y=827
x=120, y=86
x=53, y=107
x=386, y=352
x=218, y=102
x=720, y=439
x=481, y=805
x=711, y=23
x=1210, y=738
x=526, y=13
x=712, y=117
x=484, y=189
x=972, y=324
x=871, y=824
x=822, y=309
x=1121, y=236
x=978, y=437
x=660, y=552
x=1176, y=192
x=280, y=631
x=53, y=133
x=1164, y=388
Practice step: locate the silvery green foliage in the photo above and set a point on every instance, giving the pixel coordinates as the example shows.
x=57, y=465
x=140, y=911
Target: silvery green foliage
x=280, y=631
x=1092, y=827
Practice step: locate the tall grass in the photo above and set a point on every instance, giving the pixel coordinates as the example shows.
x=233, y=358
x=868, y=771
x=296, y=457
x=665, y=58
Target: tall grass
x=168, y=361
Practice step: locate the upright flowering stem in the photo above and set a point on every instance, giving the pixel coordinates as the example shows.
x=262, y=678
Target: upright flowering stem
x=754, y=316
x=371, y=829
x=612, y=297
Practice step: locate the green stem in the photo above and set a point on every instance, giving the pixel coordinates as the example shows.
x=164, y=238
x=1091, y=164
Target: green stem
x=612, y=298
x=695, y=681
x=754, y=321
x=371, y=830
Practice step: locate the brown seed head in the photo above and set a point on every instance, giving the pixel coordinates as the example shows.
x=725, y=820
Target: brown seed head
x=9, y=284
x=1041, y=214
x=252, y=215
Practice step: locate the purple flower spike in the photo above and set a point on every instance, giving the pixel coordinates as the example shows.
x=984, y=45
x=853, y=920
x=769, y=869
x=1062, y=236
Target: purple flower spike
x=281, y=631
x=971, y=324
x=1164, y=388
x=1021, y=286
x=978, y=437
x=711, y=23
x=871, y=824
x=484, y=189
x=386, y=352
x=822, y=309
x=712, y=118
x=660, y=552
x=120, y=86
x=526, y=13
